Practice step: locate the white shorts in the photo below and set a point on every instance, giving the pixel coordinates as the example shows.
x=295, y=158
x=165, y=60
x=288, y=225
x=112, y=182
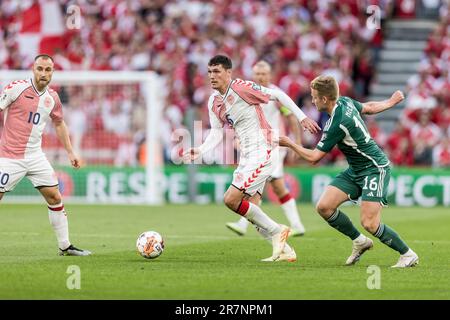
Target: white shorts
x=38, y=170
x=251, y=176
x=278, y=172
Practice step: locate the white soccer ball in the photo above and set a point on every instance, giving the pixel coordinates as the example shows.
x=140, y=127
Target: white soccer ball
x=150, y=244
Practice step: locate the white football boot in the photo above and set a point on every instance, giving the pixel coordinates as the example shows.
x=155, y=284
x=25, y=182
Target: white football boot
x=73, y=251
x=286, y=255
x=358, y=249
x=237, y=228
x=297, y=231
x=279, y=241
x=409, y=259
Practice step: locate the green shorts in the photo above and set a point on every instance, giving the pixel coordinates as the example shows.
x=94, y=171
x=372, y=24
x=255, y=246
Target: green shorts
x=371, y=184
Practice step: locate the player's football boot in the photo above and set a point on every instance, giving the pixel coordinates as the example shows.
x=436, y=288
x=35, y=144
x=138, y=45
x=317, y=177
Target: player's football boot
x=409, y=259
x=73, y=251
x=358, y=250
x=279, y=241
x=297, y=231
x=284, y=256
x=235, y=227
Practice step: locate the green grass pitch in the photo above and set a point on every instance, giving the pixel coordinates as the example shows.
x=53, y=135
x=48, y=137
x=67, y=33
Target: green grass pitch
x=204, y=260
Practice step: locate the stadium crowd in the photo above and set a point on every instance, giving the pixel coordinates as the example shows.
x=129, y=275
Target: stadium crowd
x=300, y=39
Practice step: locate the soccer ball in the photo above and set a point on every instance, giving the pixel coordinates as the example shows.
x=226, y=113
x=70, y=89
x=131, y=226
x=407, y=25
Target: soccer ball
x=150, y=244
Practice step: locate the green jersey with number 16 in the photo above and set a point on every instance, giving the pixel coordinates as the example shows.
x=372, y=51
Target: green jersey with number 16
x=347, y=129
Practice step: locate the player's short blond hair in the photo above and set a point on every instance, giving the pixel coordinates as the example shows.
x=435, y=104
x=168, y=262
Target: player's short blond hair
x=263, y=64
x=326, y=86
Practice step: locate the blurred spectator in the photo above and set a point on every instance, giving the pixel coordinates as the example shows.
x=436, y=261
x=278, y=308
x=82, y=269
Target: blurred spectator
x=425, y=135
x=375, y=131
x=399, y=146
x=441, y=153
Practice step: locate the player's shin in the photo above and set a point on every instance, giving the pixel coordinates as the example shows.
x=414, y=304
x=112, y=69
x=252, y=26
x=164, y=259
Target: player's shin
x=390, y=238
x=268, y=237
x=342, y=223
x=290, y=210
x=255, y=215
x=58, y=220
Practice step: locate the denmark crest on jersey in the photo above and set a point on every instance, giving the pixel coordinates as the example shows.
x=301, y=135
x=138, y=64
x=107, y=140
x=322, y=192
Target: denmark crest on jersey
x=47, y=102
x=230, y=99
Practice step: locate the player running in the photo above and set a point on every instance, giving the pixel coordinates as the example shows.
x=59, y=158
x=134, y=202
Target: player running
x=273, y=112
x=238, y=103
x=28, y=106
x=368, y=173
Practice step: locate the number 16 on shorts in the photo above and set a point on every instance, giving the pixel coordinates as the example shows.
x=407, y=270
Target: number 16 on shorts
x=372, y=184
x=375, y=186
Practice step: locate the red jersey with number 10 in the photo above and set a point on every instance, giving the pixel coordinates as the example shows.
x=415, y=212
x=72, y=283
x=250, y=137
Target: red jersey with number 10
x=26, y=113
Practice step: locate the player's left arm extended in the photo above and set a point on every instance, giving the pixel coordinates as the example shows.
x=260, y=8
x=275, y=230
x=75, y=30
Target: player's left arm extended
x=286, y=101
x=374, y=107
x=294, y=128
x=63, y=135
x=309, y=155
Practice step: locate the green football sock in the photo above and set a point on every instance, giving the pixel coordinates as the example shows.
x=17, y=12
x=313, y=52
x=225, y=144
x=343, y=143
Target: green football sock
x=390, y=238
x=342, y=223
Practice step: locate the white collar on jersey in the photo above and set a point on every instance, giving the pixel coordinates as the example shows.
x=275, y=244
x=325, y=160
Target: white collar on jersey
x=228, y=89
x=40, y=93
x=334, y=109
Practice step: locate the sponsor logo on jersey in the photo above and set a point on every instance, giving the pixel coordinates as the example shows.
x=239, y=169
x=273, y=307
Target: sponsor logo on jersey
x=256, y=86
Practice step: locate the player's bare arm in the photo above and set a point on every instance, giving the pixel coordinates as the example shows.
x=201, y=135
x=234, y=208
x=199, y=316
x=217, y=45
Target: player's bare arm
x=294, y=128
x=286, y=101
x=374, y=107
x=63, y=135
x=309, y=155
x=212, y=140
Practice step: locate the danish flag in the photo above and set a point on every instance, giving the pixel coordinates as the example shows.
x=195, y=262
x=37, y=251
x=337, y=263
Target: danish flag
x=42, y=28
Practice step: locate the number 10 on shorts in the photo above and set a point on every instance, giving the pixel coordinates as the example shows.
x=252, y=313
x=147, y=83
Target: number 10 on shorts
x=4, y=177
x=373, y=184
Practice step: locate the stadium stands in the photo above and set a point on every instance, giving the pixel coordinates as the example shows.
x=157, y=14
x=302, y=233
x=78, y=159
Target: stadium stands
x=299, y=39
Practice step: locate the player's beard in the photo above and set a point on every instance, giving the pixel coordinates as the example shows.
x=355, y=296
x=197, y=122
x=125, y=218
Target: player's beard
x=44, y=82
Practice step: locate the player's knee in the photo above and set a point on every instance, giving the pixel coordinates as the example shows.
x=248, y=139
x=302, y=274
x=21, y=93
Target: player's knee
x=279, y=191
x=370, y=225
x=231, y=201
x=324, y=209
x=54, y=199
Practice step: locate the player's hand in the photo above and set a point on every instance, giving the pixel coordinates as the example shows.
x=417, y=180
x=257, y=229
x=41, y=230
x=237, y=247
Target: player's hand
x=397, y=97
x=191, y=154
x=284, y=141
x=310, y=125
x=74, y=160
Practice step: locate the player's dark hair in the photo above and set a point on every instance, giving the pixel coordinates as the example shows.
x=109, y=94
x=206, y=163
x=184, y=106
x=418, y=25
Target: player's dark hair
x=44, y=56
x=222, y=60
